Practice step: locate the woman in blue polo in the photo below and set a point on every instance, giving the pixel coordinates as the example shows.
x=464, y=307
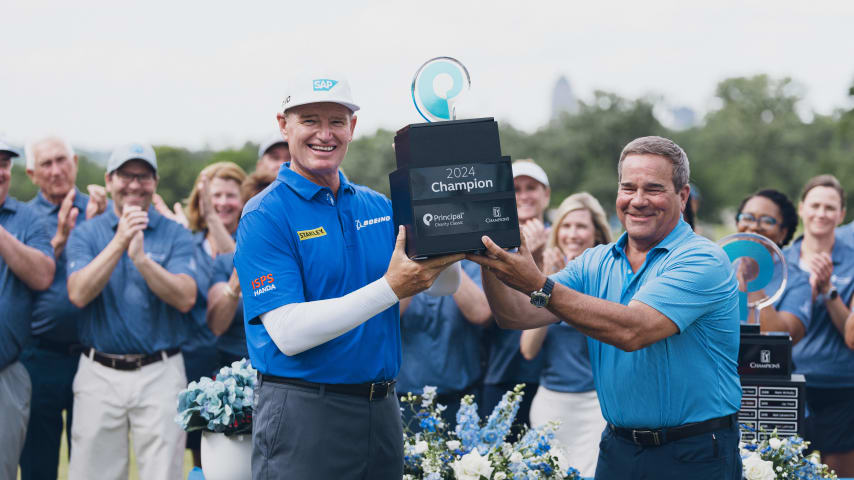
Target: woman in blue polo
x=225, y=308
x=566, y=392
x=213, y=211
x=825, y=356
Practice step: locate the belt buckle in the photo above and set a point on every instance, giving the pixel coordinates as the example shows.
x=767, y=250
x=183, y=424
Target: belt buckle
x=656, y=439
x=375, y=389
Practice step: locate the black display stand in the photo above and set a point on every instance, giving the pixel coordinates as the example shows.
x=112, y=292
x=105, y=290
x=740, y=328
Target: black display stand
x=772, y=397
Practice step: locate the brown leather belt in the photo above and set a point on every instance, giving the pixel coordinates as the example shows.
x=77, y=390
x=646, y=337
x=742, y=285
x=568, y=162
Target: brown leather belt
x=129, y=361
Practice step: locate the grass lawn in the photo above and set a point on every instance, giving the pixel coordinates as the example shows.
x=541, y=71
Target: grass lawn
x=133, y=473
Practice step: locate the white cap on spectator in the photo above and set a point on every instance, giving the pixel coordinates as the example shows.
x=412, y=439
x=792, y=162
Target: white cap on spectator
x=270, y=142
x=132, y=151
x=319, y=88
x=8, y=149
x=528, y=168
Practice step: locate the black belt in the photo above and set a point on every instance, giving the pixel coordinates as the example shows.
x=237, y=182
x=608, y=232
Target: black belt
x=373, y=391
x=656, y=437
x=130, y=361
x=56, y=347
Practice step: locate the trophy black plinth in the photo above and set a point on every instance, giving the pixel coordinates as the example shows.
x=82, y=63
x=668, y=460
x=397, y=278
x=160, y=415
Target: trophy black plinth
x=452, y=186
x=766, y=355
x=447, y=143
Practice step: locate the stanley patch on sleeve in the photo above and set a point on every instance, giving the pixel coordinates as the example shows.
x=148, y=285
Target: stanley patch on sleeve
x=309, y=234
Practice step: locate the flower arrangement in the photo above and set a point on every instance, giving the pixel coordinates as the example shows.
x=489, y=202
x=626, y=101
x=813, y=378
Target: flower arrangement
x=472, y=451
x=781, y=458
x=222, y=405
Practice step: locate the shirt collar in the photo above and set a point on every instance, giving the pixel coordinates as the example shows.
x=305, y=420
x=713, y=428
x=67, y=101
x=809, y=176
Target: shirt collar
x=154, y=218
x=305, y=187
x=10, y=204
x=674, y=238
x=80, y=201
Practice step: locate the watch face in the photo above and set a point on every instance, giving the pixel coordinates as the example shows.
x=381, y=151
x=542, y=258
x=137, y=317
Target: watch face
x=539, y=299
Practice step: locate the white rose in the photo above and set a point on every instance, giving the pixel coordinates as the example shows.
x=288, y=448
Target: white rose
x=453, y=444
x=775, y=443
x=472, y=466
x=757, y=469
x=500, y=476
x=420, y=447
x=515, y=457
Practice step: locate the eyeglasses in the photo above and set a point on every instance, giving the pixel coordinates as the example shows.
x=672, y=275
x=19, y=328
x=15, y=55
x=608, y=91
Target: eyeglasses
x=764, y=221
x=142, y=178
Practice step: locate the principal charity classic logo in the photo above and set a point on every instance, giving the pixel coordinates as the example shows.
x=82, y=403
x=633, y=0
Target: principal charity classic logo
x=323, y=84
x=443, y=220
x=371, y=221
x=313, y=233
x=263, y=284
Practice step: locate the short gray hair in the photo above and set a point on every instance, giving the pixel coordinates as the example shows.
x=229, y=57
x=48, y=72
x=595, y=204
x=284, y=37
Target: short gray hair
x=662, y=147
x=29, y=150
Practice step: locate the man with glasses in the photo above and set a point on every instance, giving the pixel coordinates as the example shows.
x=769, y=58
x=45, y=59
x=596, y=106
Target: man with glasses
x=50, y=358
x=26, y=264
x=132, y=271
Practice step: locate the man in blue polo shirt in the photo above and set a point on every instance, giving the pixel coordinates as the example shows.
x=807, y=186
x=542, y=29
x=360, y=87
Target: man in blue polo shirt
x=26, y=264
x=132, y=271
x=321, y=276
x=50, y=361
x=660, y=308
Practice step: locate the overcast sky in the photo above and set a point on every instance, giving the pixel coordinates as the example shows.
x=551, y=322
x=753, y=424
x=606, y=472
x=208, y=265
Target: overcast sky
x=196, y=74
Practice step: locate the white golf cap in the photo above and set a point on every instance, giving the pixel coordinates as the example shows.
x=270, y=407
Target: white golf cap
x=270, y=142
x=319, y=88
x=132, y=151
x=528, y=168
x=8, y=149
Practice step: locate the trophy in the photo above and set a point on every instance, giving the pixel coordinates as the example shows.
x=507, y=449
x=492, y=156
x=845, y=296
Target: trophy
x=759, y=265
x=772, y=397
x=452, y=185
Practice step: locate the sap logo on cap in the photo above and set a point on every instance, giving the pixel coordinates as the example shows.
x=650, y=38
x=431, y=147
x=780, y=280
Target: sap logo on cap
x=428, y=217
x=136, y=148
x=323, y=84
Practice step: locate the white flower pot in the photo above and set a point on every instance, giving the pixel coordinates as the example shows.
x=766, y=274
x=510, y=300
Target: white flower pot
x=226, y=458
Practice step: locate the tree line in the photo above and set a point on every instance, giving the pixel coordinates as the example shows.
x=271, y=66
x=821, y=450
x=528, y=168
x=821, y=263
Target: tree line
x=755, y=139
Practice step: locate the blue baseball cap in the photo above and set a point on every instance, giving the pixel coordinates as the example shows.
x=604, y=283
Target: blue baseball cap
x=132, y=151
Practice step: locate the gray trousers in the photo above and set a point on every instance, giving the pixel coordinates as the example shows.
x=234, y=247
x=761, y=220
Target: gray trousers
x=15, y=389
x=302, y=433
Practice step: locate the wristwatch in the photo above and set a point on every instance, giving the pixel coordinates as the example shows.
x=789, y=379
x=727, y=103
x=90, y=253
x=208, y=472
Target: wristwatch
x=541, y=297
x=830, y=295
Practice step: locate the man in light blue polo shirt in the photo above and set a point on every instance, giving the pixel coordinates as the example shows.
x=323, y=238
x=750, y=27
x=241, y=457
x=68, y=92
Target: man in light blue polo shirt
x=132, y=271
x=50, y=358
x=660, y=308
x=26, y=264
x=321, y=276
